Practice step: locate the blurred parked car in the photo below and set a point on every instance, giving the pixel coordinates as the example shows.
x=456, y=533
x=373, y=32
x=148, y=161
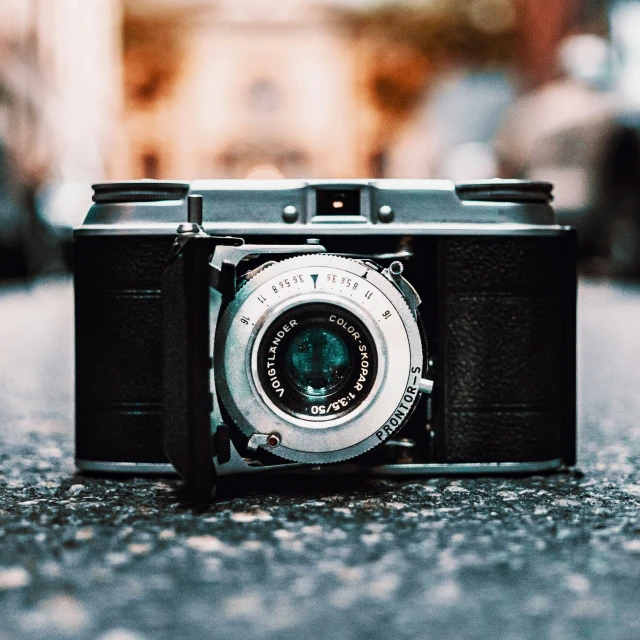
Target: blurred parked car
x=28, y=244
x=571, y=132
x=63, y=206
x=13, y=227
x=616, y=217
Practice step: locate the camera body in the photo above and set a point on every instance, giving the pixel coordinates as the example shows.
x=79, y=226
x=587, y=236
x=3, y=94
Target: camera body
x=481, y=281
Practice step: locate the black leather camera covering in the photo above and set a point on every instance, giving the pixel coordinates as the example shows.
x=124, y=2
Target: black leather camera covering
x=507, y=318
x=119, y=347
x=499, y=311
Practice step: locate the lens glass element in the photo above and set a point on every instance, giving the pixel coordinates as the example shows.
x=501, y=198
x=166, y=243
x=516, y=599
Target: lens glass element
x=317, y=360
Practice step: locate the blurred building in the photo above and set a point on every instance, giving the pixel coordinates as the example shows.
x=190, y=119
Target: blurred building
x=114, y=89
x=299, y=88
x=239, y=89
x=60, y=76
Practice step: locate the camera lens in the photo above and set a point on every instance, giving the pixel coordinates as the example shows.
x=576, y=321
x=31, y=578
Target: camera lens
x=317, y=361
x=323, y=350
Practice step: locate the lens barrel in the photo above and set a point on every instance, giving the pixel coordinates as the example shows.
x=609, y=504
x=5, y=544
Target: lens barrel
x=323, y=351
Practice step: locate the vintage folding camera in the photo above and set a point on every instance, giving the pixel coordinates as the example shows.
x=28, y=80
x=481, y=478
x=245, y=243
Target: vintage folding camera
x=377, y=327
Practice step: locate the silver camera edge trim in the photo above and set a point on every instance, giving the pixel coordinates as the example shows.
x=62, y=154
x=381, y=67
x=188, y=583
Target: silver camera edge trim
x=399, y=469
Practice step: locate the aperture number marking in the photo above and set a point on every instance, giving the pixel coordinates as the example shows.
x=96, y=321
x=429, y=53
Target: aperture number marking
x=287, y=283
x=344, y=281
x=336, y=405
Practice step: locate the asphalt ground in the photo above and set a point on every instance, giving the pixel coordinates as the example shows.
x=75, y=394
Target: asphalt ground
x=554, y=556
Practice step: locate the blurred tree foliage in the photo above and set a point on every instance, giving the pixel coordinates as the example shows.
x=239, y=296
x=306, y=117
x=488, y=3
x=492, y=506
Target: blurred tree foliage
x=409, y=43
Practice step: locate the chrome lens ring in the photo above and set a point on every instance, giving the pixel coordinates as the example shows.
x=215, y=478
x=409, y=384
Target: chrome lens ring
x=343, y=283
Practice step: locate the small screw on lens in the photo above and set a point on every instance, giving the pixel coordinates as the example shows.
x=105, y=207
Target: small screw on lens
x=273, y=440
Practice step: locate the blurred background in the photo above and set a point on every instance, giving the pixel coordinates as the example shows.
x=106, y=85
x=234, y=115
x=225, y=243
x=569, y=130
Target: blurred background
x=184, y=89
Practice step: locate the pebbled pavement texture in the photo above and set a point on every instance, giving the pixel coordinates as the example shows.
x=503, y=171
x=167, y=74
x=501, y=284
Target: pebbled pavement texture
x=124, y=559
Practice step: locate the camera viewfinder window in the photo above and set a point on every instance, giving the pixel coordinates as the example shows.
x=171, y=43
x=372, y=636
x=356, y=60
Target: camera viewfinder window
x=338, y=202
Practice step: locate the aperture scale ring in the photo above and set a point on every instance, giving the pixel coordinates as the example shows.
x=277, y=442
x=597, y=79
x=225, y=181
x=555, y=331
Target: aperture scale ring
x=307, y=278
